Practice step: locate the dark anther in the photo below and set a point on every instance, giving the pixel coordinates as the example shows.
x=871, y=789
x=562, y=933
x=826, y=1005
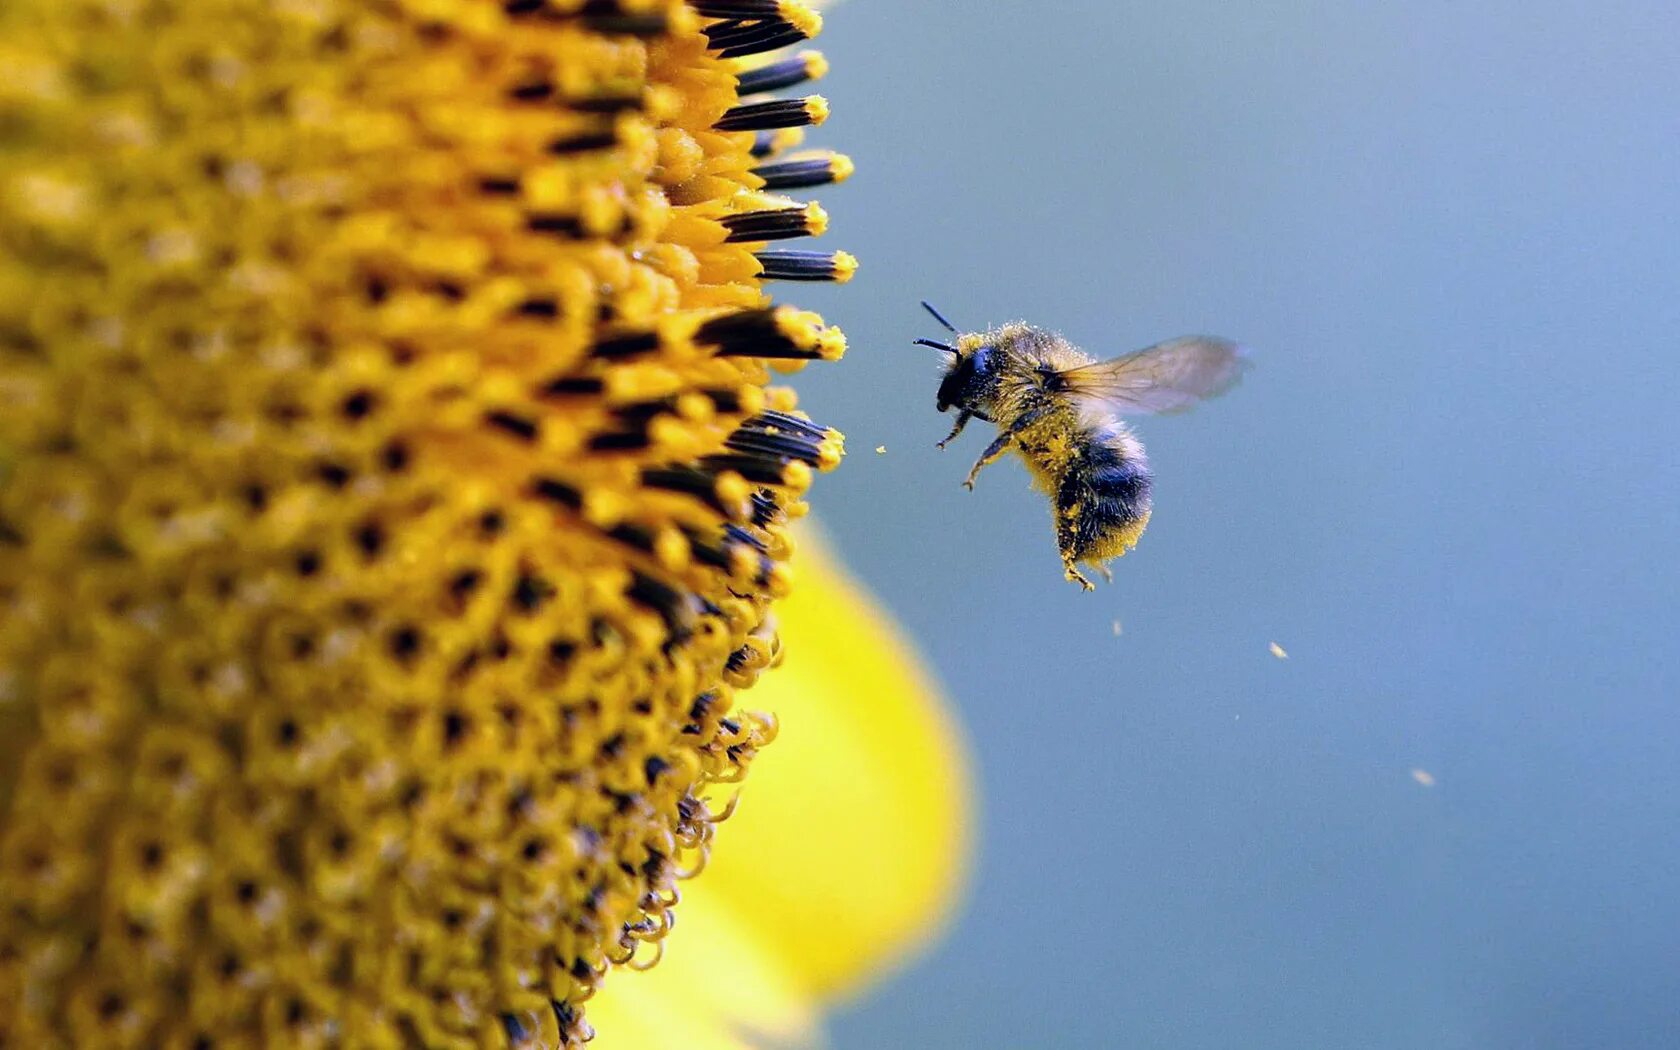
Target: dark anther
x=765, y=509
x=573, y=386
x=583, y=142
x=520, y=427
x=627, y=344
x=625, y=442
x=799, y=174
x=759, y=470
x=532, y=91
x=454, y=728
x=770, y=224
x=531, y=592
x=777, y=75
x=634, y=536
x=394, y=456
x=405, y=642
x=334, y=475
x=370, y=538
x=546, y=308
x=736, y=38
x=464, y=583
x=561, y=652
x=801, y=266
x=764, y=116
x=689, y=482
x=570, y=225
x=662, y=599
x=557, y=492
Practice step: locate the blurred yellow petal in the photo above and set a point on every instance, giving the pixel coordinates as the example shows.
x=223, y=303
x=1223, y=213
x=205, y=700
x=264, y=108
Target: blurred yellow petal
x=848, y=848
x=719, y=986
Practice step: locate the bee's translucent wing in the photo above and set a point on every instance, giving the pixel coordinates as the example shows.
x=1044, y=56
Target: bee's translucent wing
x=1167, y=377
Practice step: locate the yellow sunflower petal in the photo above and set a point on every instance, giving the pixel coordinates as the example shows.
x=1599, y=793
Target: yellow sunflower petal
x=848, y=847
x=719, y=985
x=850, y=844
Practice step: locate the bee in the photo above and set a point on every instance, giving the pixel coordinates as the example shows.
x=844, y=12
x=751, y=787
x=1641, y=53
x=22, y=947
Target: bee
x=1059, y=408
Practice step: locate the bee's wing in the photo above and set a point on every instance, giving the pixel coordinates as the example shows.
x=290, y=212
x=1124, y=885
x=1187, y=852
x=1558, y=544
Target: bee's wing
x=1167, y=377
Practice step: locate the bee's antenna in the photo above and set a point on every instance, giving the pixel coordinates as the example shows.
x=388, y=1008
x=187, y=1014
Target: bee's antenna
x=937, y=316
x=936, y=346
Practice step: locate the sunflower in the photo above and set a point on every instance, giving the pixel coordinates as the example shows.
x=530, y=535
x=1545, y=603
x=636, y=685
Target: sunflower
x=393, y=500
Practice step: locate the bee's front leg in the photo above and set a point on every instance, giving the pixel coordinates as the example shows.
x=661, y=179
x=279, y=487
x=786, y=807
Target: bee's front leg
x=963, y=416
x=993, y=451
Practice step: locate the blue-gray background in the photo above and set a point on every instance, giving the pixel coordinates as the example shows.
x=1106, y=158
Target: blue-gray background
x=1449, y=490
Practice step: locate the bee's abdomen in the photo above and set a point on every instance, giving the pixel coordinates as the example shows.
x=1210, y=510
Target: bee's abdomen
x=1102, y=505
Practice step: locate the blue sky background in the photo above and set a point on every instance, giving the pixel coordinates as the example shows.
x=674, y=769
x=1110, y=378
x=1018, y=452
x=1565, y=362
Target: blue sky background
x=1451, y=233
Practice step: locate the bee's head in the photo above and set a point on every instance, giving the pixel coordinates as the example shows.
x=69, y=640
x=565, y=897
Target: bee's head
x=968, y=374
x=970, y=370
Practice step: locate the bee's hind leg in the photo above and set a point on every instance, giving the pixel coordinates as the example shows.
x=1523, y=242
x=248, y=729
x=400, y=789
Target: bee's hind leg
x=1104, y=571
x=1073, y=575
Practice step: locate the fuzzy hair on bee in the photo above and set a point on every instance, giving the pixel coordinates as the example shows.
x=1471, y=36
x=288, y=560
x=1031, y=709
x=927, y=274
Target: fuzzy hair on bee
x=1060, y=409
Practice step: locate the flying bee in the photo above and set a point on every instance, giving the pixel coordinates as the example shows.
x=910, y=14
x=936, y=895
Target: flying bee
x=1059, y=408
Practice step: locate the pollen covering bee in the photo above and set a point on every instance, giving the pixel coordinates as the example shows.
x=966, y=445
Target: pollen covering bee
x=1058, y=407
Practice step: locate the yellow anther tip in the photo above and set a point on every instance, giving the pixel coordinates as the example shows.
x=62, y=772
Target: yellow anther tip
x=802, y=18
x=831, y=344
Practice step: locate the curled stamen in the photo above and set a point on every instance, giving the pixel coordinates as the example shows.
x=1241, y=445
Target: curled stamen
x=727, y=812
x=638, y=964
x=703, y=854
